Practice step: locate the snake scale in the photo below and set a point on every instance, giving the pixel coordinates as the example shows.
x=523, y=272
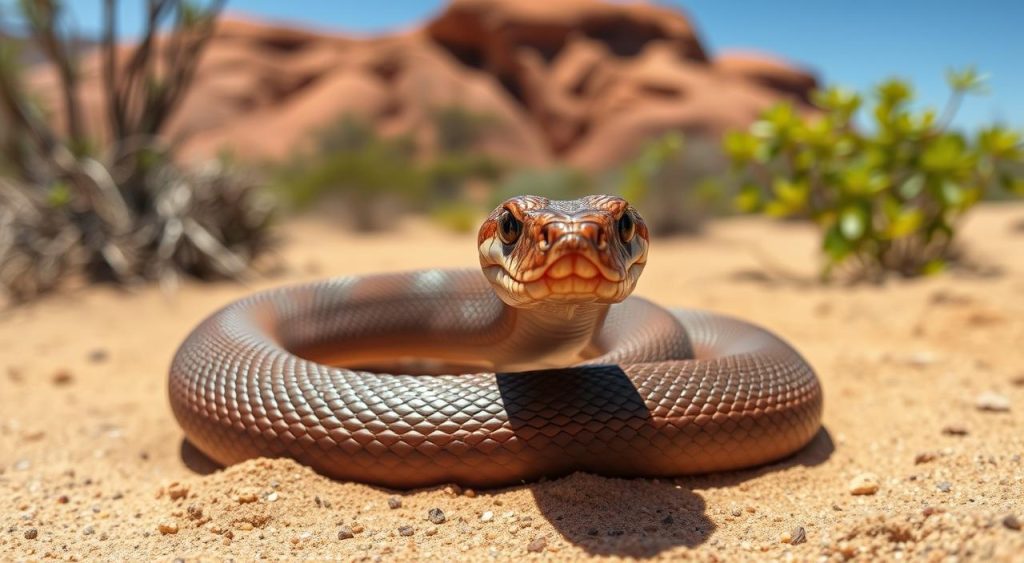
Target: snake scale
x=541, y=366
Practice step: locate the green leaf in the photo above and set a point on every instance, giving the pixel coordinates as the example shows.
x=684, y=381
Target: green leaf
x=837, y=100
x=933, y=267
x=947, y=154
x=748, y=199
x=904, y=223
x=835, y=245
x=792, y=194
x=853, y=222
x=777, y=208
x=952, y=193
x=741, y=146
x=967, y=80
x=911, y=187
x=894, y=92
x=1000, y=142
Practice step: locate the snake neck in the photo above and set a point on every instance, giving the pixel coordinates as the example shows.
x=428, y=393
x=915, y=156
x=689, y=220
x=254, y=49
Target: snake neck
x=551, y=334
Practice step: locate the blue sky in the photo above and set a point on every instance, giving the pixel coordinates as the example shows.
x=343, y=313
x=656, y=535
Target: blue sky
x=855, y=44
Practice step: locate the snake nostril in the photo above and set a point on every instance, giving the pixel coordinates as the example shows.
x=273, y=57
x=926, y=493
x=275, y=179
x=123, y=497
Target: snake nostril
x=546, y=237
x=595, y=233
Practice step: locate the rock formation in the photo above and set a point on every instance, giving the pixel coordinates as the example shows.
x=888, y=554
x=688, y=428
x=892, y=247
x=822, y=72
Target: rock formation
x=582, y=82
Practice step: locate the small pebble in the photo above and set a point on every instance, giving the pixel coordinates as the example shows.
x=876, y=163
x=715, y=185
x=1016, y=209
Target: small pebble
x=62, y=377
x=667, y=520
x=922, y=358
x=32, y=533
x=864, y=484
x=487, y=516
x=431, y=531
x=944, y=486
x=62, y=499
x=537, y=545
x=436, y=515
x=394, y=502
x=799, y=536
x=345, y=533
x=405, y=530
x=925, y=457
x=954, y=430
x=272, y=497
x=992, y=402
x=89, y=530
x=177, y=491
x=246, y=498
x=470, y=493
x=98, y=355
x=1010, y=521
x=168, y=528
x=357, y=528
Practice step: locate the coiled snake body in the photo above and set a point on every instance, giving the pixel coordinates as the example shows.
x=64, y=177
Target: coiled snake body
x=557, y=368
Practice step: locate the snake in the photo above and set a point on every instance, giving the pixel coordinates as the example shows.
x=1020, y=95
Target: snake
x=539, y=364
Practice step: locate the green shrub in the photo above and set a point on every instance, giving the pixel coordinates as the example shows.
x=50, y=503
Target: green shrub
x=368, y=171
x=888, y=197
x=675, y=181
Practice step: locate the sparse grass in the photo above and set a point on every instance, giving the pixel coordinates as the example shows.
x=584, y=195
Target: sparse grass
x=116, y=210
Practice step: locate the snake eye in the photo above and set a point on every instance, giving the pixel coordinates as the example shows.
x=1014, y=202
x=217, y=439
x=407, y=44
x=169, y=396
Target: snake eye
x=509, y=228
x=627, y=227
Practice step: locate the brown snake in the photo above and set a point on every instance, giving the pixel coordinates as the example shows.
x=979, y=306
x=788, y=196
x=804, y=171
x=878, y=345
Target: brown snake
x=559, y=370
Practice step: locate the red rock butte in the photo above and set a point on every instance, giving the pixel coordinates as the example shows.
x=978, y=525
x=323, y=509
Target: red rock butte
x=581, y=82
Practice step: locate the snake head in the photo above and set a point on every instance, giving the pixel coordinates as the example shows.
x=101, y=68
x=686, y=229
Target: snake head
x=589, y=250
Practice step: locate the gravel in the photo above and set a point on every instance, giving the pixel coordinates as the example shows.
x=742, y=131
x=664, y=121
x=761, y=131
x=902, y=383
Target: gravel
x=436, y=515
x=345, y=533
x=394, y=502
x=799, y=536
x=992, y=402
x=864, y=484
x=537, y=545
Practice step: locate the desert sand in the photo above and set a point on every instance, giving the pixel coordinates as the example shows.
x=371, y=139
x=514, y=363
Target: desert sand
x=924, y=413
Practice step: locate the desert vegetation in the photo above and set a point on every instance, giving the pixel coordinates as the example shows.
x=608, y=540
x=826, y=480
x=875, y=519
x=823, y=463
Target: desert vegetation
x=888, y=195
x=103, y=199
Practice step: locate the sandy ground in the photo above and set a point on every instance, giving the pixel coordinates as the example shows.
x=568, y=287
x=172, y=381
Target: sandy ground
x=93, y=465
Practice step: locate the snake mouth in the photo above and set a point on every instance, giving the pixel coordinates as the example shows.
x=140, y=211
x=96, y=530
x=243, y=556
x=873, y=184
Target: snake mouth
x=571, y=278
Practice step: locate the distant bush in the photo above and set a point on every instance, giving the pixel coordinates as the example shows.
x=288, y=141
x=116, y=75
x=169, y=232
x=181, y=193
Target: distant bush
x=676, y=181
x=889, y=197
x=375, y=175
x=111, y=204
x=553, y=183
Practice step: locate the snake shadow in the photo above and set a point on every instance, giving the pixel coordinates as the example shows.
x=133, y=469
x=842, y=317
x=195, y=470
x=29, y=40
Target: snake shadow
x=195, y=460
x=619, y=516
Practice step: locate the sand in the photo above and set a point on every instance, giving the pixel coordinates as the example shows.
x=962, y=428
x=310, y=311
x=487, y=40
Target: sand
x=924, y=387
